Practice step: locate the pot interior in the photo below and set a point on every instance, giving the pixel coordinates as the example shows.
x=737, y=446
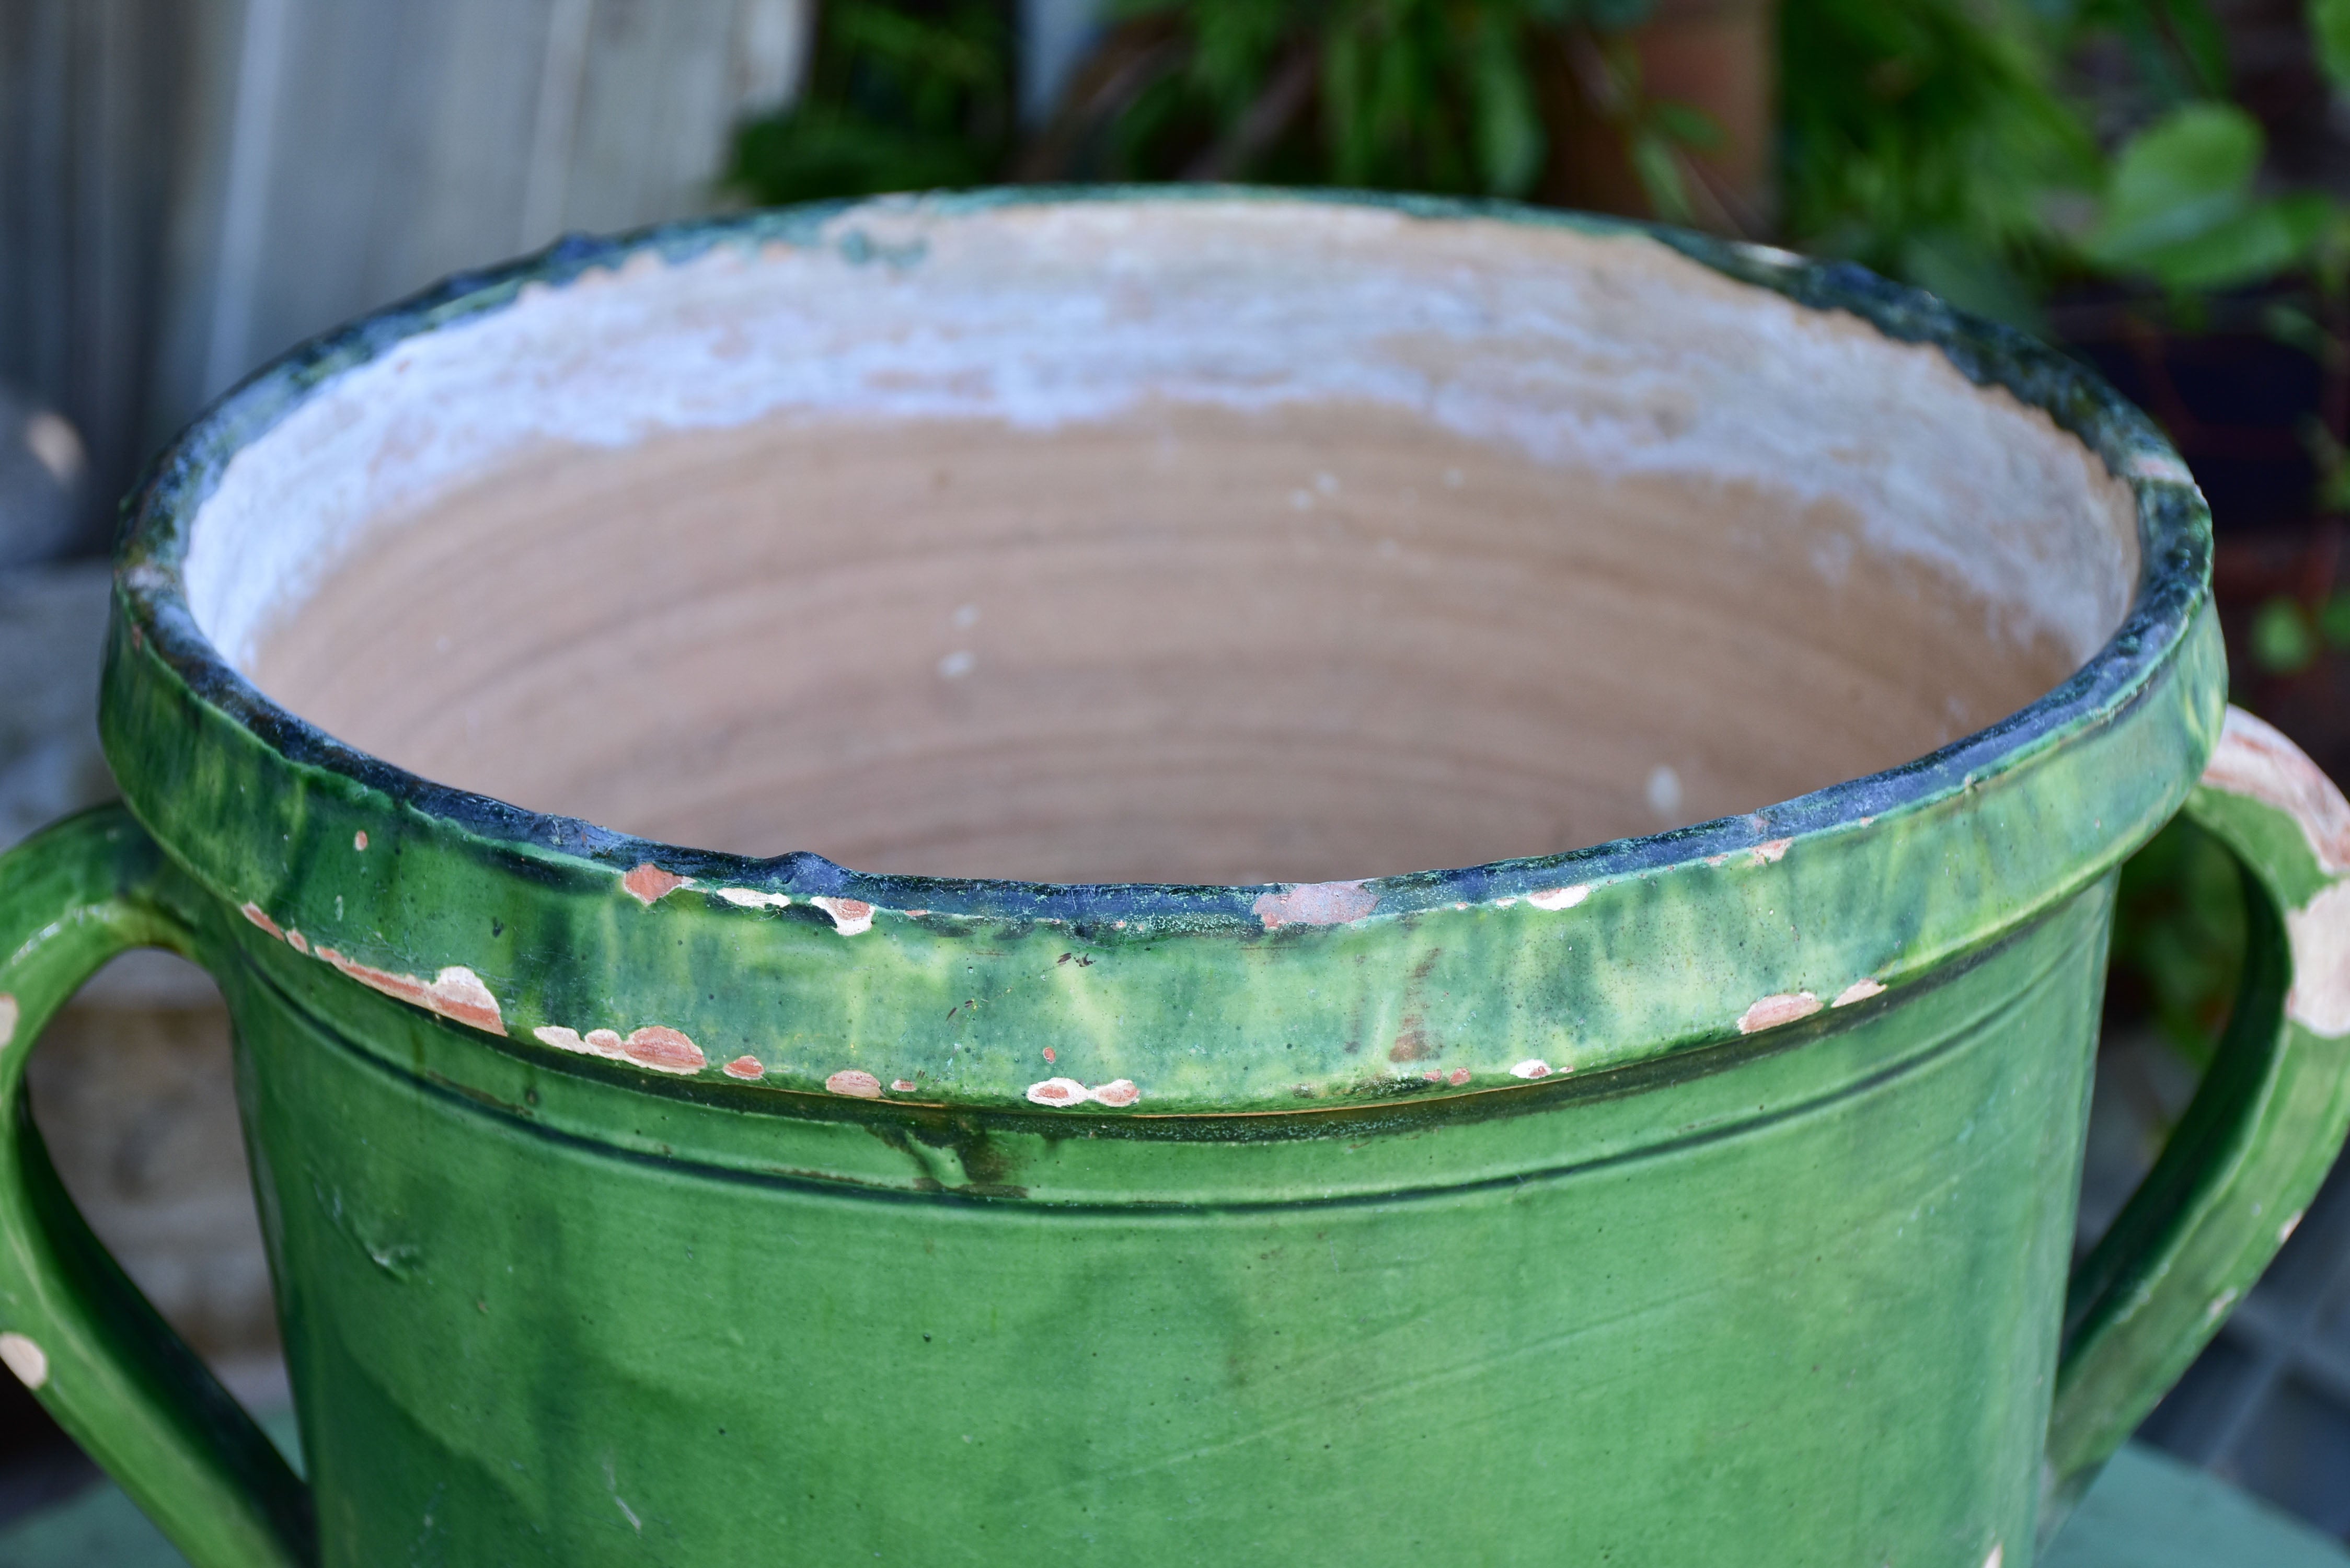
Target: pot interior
x=1159, y=541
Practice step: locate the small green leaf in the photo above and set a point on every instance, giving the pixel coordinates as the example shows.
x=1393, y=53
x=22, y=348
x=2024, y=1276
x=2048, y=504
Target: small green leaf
x=2295, y=327
x=2260, y=242
x=2329, y=25
x=1511, y=145
x=1659, y=169
x=2186, y=174
x=1686, y=124
x=2333, y=621
x=1972, y=276
x=2282, y=642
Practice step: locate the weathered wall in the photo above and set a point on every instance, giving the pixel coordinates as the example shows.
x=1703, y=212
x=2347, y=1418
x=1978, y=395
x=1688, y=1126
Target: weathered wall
x=188, y=187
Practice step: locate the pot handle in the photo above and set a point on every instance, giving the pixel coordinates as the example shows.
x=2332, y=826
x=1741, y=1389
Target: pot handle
x=2260, y=1133
x=73, y=1328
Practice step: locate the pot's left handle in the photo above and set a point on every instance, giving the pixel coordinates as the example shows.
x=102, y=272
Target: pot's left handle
x=73, y=1328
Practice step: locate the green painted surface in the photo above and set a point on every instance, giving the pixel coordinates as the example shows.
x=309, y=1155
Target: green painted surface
x=2146, y=1511
x=1479, y=1224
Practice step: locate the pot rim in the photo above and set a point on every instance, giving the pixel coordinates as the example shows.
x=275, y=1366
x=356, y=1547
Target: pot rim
x=2174, y=538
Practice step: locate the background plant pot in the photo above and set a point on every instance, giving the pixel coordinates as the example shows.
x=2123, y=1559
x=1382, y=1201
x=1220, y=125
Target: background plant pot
x=1719, y=58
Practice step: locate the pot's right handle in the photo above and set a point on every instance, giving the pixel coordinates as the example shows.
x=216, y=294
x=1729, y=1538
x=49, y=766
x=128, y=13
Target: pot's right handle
x=72, y=1328
x=2260, y=1133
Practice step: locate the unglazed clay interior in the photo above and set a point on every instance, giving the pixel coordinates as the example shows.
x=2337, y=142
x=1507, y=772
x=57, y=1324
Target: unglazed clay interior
x=1192, y=541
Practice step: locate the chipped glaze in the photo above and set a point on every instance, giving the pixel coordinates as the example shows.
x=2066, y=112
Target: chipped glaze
x=1769, y=1012
x=2319, y=933
x=753, y=898
x=2254, y=760
x=1315, y=903
x=654, y=1047
x=454, y=991
x=648, y=884
x=1236, y=1211
x=26, y=1359
x=1061, y=1093
x=850, y=917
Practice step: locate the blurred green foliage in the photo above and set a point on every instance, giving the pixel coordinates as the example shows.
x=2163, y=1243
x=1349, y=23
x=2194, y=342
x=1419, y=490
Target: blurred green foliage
x=2179, y=937
x=1422, y=95
x=2287, y=635
x=1924, y=138
x=1428, y=94
x=901, y=94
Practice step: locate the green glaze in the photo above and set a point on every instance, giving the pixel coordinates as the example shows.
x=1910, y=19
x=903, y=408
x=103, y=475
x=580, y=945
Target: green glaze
x=1481, y=1224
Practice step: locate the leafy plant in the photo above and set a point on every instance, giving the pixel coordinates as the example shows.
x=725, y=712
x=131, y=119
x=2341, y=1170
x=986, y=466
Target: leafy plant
x=2287, y=635
x=1925, y=139
x=2185, y=210
x=901, y=94
x=1424, y=95
x=2182, y=210
x=1433, y=95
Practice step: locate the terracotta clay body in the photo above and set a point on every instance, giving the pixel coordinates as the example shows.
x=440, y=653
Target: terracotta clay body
x=1167, y=639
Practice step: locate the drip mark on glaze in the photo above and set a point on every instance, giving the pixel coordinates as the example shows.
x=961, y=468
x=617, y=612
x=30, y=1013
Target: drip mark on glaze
x=1555, y=899
x=1314, y=904
x=648, y=884
x=1772, y=1011
x=849, y=916
x=657, y=1046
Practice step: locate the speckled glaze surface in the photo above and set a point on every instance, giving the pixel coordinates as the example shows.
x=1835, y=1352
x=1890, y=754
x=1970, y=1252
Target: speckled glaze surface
x=1699, y=1197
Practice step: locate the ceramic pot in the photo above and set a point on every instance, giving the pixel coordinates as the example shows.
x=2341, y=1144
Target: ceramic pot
x=1144, y=1156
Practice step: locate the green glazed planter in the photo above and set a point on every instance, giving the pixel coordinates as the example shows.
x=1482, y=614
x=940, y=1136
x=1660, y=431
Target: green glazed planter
x=1700, y=1196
